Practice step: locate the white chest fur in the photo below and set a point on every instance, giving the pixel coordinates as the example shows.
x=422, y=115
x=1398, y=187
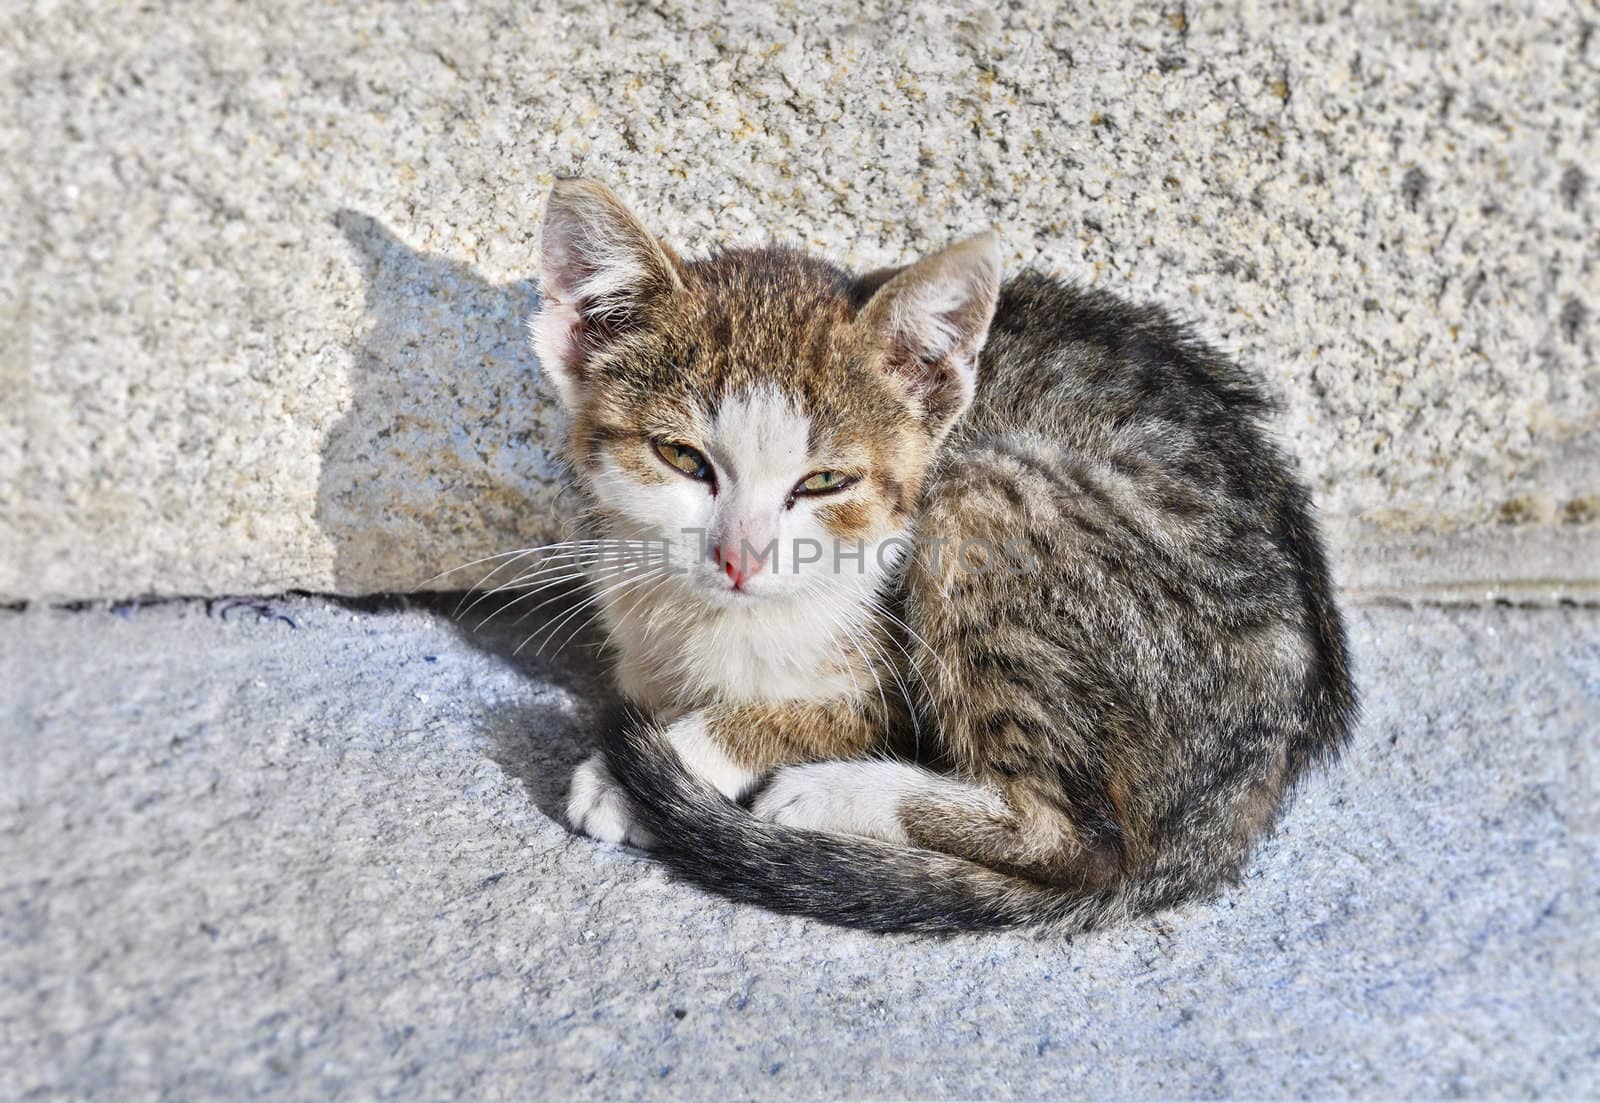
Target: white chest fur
x=677, y=653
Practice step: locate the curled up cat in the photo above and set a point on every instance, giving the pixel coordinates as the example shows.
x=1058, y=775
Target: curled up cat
x=938, y=602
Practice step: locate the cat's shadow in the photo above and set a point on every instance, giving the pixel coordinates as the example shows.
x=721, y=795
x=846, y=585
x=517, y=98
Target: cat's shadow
x=449, y=439
x=540, y=739
x=443, y=370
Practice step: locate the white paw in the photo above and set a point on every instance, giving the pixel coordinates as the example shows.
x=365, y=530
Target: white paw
x=601, y=808
x=849, y=798
x=704, y=756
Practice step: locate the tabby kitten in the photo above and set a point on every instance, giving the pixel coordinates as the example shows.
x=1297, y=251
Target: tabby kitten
x=940, y=604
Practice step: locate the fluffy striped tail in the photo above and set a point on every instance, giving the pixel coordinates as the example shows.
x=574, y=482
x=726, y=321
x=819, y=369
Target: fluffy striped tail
x=710, y=841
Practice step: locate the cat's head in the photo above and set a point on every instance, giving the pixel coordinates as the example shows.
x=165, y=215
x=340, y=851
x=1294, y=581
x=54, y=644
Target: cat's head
x=768, y=415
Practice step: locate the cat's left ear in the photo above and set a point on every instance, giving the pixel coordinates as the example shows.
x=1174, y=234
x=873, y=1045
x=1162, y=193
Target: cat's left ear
x=930, y=322
x=601, y=275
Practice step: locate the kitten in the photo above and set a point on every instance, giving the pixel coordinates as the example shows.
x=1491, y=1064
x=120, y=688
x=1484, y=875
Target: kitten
x=994, y=604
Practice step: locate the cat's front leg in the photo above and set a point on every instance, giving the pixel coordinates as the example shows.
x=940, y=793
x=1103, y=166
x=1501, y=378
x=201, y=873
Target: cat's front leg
x=702, y=739
x=878, y=799
x=848, y=798
x=599, y=806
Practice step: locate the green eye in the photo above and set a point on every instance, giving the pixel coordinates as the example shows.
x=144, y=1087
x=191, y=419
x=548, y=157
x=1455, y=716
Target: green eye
x=685, y=459
x=821, y=482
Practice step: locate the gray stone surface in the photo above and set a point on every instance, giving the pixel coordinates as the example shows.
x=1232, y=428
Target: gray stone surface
x=305, y=851
x=263, y=268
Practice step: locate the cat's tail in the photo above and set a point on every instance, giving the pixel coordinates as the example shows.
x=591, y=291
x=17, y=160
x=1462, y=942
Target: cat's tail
x=711, y=841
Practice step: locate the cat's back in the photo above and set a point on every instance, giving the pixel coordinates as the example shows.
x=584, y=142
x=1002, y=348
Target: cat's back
x=1168, y=532
x=1082, y=364
x=1116, y=427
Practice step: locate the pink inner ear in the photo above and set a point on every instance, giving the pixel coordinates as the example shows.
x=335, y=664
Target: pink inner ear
x=566, y=269
x=932, y=346
x=568, y=334
x=922, y=372
x=560, y=328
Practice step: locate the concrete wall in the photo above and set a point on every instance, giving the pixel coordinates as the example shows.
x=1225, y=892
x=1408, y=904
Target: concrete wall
x=265, y=267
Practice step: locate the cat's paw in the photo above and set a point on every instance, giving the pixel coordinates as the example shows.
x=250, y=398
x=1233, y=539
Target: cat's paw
x=598, y=806
x=849, y=798
x=704, y=756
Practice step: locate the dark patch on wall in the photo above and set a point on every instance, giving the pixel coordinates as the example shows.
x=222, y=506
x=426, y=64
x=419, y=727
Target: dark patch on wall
x=1413, y=186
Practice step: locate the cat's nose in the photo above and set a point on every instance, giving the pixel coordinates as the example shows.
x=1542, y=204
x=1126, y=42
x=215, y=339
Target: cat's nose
x=737, y=566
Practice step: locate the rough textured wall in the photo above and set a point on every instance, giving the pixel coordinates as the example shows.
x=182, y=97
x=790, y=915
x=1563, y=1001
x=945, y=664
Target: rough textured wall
x=265, y=266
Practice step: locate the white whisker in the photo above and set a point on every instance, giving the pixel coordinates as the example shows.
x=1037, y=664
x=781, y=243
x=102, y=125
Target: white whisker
x=586, y=621
x=583, y=560
x=583, y=575
x=550, y=631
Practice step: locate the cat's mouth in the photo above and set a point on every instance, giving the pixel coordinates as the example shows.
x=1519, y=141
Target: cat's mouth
x=719, y=591
x=730, y=595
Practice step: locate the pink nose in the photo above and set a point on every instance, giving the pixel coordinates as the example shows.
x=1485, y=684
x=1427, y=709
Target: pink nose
x=738, y=568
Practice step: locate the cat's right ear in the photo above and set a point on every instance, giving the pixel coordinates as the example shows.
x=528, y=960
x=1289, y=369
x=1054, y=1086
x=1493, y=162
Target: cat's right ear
x=930, y=321
x=600, y=274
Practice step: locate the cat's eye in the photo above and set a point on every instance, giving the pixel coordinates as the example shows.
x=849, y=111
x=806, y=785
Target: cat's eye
x=685, y=459
x=823, y=482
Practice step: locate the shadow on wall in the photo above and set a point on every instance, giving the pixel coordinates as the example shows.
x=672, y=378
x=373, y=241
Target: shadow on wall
x=445, y=455
x=447, y=451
